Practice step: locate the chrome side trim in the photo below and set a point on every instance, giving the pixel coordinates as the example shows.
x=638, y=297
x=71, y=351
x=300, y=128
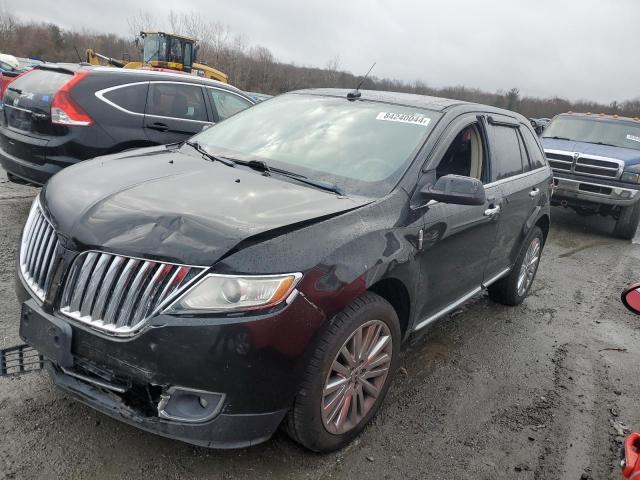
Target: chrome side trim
x=447, y=309
x=496, y=277
x=516, y=177
x=100, y=95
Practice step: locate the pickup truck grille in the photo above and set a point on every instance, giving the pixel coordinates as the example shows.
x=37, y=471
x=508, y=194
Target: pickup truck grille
x=37, y=253
x=116, y=294
x=583, y=164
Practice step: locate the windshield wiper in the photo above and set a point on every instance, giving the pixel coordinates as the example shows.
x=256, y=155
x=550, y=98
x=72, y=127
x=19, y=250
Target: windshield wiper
x=560, y=138
x=227, y=161
x=263, y=167
x=602, y=143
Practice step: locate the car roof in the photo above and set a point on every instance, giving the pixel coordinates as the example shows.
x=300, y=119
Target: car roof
x=185, y=77
x=600, y=116
x=438, y=104
x=142, y=75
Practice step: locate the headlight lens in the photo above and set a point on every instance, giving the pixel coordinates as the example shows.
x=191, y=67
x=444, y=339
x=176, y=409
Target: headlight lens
x=630, y=177
x=235, y=292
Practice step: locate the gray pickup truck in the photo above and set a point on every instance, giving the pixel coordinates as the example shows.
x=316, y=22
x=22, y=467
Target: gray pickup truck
x=596, y=166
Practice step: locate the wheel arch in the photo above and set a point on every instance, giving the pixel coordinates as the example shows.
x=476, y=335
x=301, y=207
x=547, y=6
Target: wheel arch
x=544, y=223
x=396, y=293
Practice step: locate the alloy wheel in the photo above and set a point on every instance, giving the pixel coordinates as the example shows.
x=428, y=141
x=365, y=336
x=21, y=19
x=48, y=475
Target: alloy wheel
x=529, y=266
x=356, y=377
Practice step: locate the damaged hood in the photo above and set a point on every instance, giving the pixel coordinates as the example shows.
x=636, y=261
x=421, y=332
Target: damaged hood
x=166, y=204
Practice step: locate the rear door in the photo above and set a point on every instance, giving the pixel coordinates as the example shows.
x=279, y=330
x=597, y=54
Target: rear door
x=175, y=111
x=513, y=174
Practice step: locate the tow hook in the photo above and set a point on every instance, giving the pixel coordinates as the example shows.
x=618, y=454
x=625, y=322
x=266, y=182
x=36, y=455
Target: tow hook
x=631, y=462
x=19, y=360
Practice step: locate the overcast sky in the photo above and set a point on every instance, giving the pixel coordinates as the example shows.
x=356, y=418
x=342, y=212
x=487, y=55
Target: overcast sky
x=571, y=48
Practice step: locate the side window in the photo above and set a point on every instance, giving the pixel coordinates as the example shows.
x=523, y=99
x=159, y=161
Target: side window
x=226, y=104
x=505, y=156
x=536, y=157
x=177, y=101
x=526, y=164
x=464, y=156
x=130, y=97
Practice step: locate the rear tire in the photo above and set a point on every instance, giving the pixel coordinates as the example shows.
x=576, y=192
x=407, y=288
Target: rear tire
x=307, y=422
x=12, y=178
x=508, y=290
x=627, y=222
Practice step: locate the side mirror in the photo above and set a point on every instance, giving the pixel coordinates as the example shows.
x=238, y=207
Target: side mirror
x=631, y=297
x=456, y=189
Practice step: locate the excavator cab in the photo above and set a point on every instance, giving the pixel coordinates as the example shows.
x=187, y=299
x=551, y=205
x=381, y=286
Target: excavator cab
x=164, y=50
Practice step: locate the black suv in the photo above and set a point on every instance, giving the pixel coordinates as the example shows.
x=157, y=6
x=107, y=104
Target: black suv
x=60, y=114
x=269, y=269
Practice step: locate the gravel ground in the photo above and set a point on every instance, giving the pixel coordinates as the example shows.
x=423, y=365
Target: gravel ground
x=538, y=391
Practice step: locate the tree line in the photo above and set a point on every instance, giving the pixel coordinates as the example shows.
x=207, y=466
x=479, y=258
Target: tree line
x=254, y=68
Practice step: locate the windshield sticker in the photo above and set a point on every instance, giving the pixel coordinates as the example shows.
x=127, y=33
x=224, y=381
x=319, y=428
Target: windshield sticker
x=414, y=118
x=633, y=138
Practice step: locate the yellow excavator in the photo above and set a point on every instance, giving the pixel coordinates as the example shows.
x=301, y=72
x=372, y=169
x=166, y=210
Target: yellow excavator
x=163, y=51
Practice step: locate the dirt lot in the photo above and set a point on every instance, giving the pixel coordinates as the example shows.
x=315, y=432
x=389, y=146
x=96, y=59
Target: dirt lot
x=532, y=392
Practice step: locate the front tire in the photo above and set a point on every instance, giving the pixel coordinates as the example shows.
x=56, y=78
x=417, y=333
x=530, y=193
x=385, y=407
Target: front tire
x=348, y=375
x=627, y=222
x=513, y=289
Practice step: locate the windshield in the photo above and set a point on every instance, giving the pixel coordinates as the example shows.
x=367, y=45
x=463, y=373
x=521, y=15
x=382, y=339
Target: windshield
x=153, y=45
x=624, y=134
x=362, y=147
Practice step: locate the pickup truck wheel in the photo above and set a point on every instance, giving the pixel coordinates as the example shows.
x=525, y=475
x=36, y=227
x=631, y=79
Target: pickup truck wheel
x=513, y=289
x=348, y=375
x=627, y=222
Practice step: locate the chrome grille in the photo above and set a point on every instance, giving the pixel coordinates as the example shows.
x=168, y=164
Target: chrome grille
x=585, y=164
x=38, y=252
x=117, y=294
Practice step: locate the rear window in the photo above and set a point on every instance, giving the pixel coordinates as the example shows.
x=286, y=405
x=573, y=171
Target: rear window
x=536, y=156
x=44, y=83
x=506, y=159
x=130, y=97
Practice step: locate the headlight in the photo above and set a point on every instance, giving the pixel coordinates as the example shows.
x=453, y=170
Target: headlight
x=235, y=292
x=630, y=177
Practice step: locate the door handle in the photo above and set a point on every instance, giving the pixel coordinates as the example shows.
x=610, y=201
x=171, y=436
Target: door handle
x=161, y=127
x=492, y=212
x=534, y=193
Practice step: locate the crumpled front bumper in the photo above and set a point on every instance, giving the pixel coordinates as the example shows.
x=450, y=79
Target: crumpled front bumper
x=223, y=431
x=574, y=191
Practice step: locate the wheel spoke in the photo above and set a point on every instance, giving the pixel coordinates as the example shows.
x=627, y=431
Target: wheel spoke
x=375, y=373
x=346, y=354
x=357, y=345
x=381, y=360
x=360, y=399
x=344, y=411
x=335, y=385
x=370, y=388
x=382, y=342
x=340, y=368
x=373, y=332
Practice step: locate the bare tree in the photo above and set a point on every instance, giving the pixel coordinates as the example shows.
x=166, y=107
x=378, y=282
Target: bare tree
x=141, y=21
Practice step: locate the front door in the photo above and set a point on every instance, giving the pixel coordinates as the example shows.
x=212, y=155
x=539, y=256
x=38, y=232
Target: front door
x=457, y=239
x=175, y=111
